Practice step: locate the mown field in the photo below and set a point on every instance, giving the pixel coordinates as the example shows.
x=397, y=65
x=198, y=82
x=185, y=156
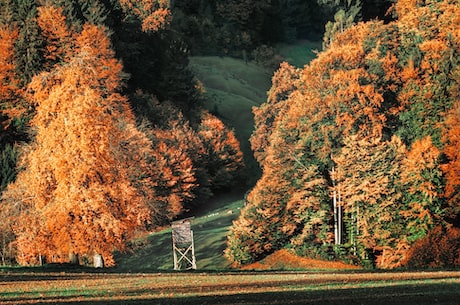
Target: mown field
x=230, y=288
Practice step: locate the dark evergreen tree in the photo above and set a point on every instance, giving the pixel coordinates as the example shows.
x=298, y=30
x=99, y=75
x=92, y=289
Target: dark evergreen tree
x=8, y=158
x=28, y=48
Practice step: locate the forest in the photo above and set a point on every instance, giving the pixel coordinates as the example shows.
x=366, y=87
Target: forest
x=103, y=133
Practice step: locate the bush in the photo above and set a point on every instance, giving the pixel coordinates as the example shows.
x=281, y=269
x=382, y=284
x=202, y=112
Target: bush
x=267, y=57
x=439, y=248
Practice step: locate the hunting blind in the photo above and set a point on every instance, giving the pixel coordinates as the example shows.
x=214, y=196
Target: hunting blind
x=183, y=245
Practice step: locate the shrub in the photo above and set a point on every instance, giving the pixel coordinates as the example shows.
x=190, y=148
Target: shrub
x=267, y=57
x=439, y=248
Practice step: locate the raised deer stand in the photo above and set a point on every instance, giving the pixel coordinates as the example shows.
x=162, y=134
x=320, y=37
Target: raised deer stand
x=183, y=246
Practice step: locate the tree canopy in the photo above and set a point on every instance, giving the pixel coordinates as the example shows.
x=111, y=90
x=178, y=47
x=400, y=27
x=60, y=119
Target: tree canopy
x=366, y=134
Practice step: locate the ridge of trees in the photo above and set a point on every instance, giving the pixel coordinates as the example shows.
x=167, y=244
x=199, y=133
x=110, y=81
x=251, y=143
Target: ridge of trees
x=359, y=149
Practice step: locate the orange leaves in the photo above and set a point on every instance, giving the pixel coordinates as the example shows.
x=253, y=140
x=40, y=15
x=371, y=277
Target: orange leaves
x=9, y=90
x=381, y=102
x=154, y=14
x=58, y=38
x=419, y=165
x=80, y=171
x=223, y=148
x=451, y=169
x=157, y=20
x=284, y=82
x=409, y=72
x=173, y=171
x=93, y=46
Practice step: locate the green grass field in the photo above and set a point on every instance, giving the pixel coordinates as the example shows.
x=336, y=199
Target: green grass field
x=301, y=53
x=230, y=288
x=233, y=87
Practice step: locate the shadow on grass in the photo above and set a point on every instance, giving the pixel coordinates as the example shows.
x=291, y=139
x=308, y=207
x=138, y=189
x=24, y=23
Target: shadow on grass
x=436, y=293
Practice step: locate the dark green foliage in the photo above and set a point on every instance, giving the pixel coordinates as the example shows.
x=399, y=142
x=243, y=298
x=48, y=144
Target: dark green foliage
x=7, y=12
x=237, y=27
x=28, y=48
x=299, y=19
x=8, y=159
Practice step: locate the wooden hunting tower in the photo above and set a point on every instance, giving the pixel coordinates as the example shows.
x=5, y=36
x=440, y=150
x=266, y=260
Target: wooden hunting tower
x=183, y=245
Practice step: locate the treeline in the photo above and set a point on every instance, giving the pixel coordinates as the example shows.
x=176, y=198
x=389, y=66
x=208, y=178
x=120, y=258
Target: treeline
x=245, y=28
x=102, y=134
x=360, y=149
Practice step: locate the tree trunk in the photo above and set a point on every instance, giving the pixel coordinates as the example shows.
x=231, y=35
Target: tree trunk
x=73, y=259
x=98, y=261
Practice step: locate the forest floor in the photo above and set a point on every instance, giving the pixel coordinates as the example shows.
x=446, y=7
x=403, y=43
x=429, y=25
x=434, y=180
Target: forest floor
x=340, y=287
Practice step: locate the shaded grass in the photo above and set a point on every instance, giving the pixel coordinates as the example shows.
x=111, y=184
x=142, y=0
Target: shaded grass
x=300, y=53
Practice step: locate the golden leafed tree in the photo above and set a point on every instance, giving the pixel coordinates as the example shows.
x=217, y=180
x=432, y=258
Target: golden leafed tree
x=58, y=37
x=82, y=190
x=224, y=157
x=7, y=79
x=154, y=14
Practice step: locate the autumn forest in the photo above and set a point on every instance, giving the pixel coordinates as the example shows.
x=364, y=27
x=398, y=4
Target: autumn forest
x=103, y=133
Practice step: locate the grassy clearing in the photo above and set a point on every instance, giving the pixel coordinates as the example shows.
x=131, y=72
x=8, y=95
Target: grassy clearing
x=153, y=253
x=231, y=288
x=301, y=53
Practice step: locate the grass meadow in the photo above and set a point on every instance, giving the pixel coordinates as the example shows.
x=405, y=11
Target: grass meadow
x=350, y=287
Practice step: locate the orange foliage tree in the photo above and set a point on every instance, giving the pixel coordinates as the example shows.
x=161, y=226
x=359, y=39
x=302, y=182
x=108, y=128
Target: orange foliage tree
x=222, y=149
x=451, y=169
x=8, y=82
x=154, y=14
x=82, y=188
x=367, y=175
x=57, y=36
x=174, y=168
x=375, y=83
x=283, y=84
x=422, y=181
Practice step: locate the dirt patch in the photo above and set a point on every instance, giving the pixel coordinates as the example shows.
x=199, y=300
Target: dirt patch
x=285, y=260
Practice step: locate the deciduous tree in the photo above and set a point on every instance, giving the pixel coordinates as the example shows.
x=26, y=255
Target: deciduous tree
x=222, y=149
x=80, y=189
